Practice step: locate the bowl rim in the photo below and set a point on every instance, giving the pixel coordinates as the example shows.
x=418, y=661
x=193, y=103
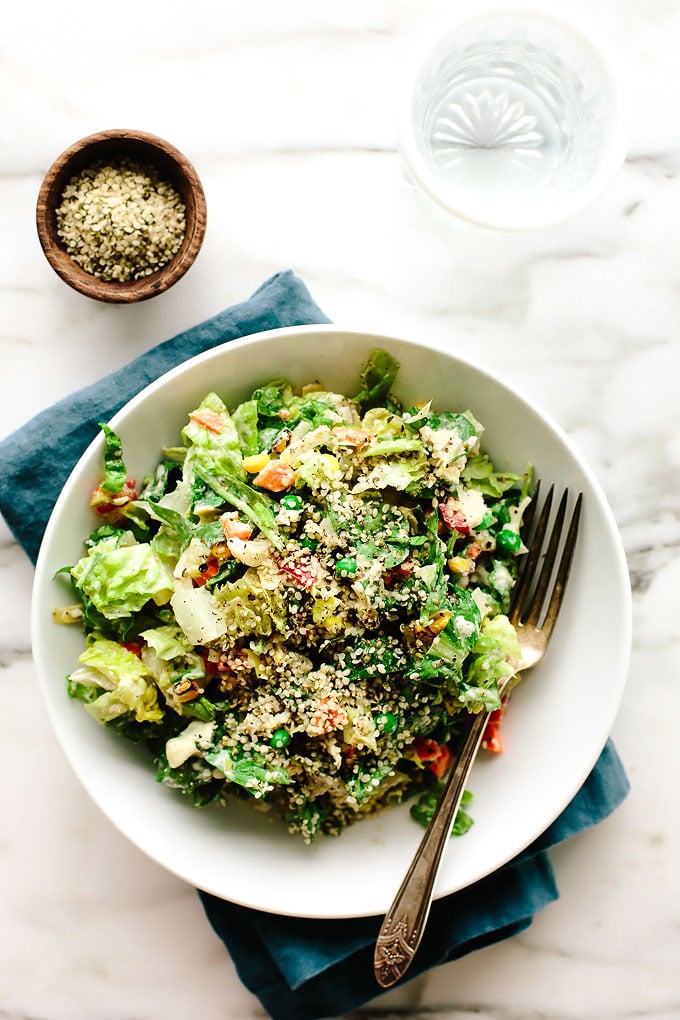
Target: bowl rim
x=42, y=576
x=67, y=269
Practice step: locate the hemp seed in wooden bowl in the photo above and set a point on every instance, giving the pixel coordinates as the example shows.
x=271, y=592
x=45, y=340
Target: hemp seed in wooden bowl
x=121, y=216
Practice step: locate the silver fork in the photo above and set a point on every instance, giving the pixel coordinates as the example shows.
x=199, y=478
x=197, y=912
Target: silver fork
x=536, y=602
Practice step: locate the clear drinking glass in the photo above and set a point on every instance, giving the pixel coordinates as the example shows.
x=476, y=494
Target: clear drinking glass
x=512, y=119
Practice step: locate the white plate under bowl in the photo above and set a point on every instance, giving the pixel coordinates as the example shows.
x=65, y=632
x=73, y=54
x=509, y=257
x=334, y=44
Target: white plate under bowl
x=558, y=720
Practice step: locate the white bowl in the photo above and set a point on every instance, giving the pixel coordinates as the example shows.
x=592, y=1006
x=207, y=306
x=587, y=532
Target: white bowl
x=558, y=721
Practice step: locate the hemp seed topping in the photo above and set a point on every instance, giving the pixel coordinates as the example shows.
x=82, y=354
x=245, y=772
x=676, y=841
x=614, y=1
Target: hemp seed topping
x=120, y=221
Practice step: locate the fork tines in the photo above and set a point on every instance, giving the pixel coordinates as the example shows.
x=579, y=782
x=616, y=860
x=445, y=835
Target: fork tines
x=528, y=603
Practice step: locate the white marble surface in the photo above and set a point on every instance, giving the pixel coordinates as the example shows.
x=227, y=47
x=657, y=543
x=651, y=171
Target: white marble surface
x=287, y=111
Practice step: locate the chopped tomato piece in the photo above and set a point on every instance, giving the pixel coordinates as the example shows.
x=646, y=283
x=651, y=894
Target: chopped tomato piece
x=426, y=748
x=275, y=476
x=210, y=420
x=328, y=715
x=305, y=570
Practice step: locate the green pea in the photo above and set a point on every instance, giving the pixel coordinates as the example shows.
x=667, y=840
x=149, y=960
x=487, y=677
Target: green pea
x=508, y=541
x=346, y=567
x=387, y=722
x=280, y=739
x=291, y=502
x=308, y=543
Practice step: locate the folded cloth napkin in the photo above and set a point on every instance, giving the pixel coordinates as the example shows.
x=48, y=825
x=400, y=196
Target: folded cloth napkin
x=308, y=969
x=299, y=969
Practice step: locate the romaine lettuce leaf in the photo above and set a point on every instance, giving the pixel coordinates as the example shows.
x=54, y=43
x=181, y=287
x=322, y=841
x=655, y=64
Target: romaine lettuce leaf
x=494, y=658
x=169, y=656
x=199, y=615
x=257, y=507
x=167, y=545
x=381, y=421
x=249, y=608
x=213, y=438
x=377, y=378
x=124, y=679
x=389, y=446
x=206, y=532
x=157, y=484
x=500, y=630
x=245, y=420
x=114, y=467
x=272, y=398
x=119, y=580
x=479, y=473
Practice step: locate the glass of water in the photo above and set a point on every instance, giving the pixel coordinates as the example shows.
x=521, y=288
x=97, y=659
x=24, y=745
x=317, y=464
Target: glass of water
x=512, y=120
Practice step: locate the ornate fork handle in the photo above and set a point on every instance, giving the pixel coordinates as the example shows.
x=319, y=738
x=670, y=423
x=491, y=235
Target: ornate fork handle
x=535, y=606
x=405, y=921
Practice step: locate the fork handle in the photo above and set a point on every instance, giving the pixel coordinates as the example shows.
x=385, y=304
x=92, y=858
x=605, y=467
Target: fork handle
x=404, y=923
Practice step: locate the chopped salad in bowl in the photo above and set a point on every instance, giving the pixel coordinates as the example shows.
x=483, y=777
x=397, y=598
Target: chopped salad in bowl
x=302, y=600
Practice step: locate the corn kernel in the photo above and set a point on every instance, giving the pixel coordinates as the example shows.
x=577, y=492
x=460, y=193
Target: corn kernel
x=255, y=463
x=460, y=565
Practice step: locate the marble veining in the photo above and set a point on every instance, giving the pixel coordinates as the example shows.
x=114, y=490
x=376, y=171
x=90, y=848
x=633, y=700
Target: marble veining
x=289, y=114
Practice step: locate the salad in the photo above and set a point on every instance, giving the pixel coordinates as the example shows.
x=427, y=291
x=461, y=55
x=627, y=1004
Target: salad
x=301, y=602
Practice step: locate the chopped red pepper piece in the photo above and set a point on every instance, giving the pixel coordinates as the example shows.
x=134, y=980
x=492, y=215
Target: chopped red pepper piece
x=211, y=666
x=491, y=740
x=133, y=646
x=112, y=505
x=453, y=518
x=401, y=571
x=207, y=570
x=436, y=756
x=441, y=763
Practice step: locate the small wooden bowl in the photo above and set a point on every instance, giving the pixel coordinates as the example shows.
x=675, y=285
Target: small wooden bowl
x=170, y=164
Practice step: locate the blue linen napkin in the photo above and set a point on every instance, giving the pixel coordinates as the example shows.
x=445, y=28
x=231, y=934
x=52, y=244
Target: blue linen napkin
x=299, y=969
x=308, y=969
